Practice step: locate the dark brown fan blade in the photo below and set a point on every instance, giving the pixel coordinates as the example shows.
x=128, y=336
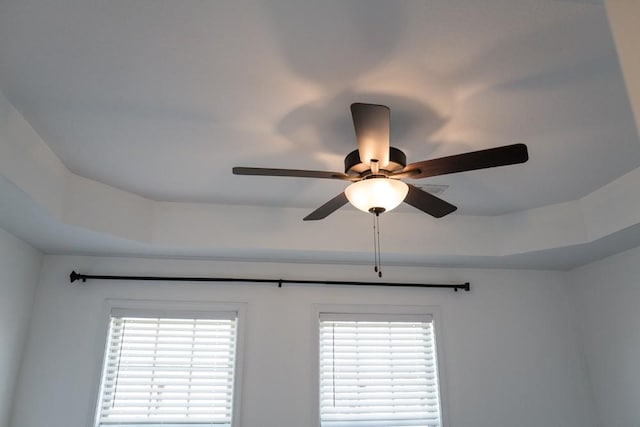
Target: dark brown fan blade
x=482, y=159
x=428, y=203
x=328, y=208
x=371, y=123
x=293, y=173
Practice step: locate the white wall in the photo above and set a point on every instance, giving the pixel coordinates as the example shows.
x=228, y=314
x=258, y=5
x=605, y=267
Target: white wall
x=511, y=358
x=19, y=270
x=607, y=297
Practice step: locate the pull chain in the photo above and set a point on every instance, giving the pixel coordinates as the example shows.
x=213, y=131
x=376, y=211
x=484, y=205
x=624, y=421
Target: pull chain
x=379, y=254
x=375, y=246
x=377, y=267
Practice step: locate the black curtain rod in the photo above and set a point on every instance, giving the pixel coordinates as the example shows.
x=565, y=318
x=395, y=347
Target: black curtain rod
x=84, y=277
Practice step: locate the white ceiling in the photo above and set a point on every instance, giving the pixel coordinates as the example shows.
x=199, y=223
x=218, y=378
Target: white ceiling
x=161, y=98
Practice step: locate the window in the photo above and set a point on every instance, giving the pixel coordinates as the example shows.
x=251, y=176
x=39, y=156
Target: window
x=168, y=371
x=378, y=370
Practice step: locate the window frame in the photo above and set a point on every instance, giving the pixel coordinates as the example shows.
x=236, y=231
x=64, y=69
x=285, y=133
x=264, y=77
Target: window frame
x=174, y=309
x=376, y=310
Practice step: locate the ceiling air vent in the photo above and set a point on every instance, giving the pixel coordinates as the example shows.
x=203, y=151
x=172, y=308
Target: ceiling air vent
x=435, y=189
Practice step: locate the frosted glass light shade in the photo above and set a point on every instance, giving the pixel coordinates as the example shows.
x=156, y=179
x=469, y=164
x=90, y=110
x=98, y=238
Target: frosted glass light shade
x=376, y=194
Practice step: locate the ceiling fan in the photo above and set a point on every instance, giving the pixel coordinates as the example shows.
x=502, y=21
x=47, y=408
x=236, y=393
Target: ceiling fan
x=376, y=169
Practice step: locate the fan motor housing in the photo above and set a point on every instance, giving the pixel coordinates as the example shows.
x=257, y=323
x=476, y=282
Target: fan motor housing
x=354, y=166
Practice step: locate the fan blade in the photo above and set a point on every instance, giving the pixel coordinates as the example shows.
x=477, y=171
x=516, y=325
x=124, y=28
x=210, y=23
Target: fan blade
x=298, y=173
x=482, y=159
x=428, y=203
x=328, y=208
x=371, y=123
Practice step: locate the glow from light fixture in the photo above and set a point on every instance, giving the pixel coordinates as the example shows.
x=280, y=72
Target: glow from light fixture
x=376, y=194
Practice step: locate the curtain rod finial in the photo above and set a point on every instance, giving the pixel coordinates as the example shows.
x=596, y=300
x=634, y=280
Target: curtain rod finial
x=75, y=276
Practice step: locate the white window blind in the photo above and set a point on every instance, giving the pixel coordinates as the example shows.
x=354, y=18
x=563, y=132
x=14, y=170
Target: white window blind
x=168, y=371
x=378, y=371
